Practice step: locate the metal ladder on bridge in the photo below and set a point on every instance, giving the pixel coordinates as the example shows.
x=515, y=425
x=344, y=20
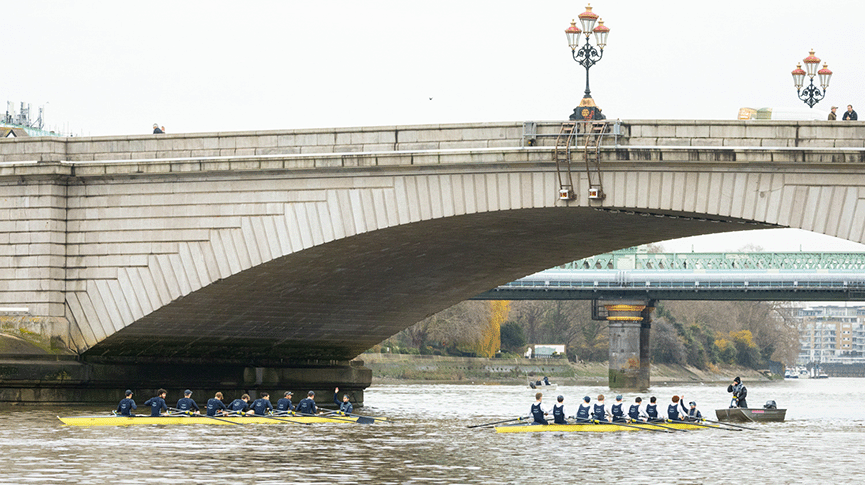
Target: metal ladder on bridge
x=563, y=160
x=593, y=132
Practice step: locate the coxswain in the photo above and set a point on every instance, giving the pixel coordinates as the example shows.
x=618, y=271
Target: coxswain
x=599, y=411
x=583, y=411
x=739, y=394
x=634, y=411
x=693, y=413
x=126, y=405
x=239, y=405
x=673, y=413
x=284, y=405
x=652, y=409
x=616, y=410
x=559, y=411
x=157, y=403
x=345, y=407
x=186, y=404
x=307, y=404
x=262, y=405
x=537, y=411
x=215, y=405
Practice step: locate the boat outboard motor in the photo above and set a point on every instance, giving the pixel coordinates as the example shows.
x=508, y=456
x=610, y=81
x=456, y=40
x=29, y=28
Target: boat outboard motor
x=770, y=405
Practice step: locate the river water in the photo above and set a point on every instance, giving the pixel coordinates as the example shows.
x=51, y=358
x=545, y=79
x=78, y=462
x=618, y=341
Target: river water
x=822, y=441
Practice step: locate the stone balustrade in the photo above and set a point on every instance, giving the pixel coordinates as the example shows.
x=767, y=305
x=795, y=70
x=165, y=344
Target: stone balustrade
x=420, y=138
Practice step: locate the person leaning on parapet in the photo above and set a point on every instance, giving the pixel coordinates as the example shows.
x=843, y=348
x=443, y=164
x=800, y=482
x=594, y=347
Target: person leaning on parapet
x=850, y=115
x=832, y=115
x=156, y=129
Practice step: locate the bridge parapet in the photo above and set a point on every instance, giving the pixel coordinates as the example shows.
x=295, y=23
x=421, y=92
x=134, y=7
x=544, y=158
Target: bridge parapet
x=364, y=140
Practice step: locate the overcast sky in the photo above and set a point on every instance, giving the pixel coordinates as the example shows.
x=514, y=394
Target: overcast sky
x=108, y=68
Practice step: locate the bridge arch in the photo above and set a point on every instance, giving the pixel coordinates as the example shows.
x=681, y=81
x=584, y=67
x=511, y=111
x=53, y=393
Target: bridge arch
x=321, y=255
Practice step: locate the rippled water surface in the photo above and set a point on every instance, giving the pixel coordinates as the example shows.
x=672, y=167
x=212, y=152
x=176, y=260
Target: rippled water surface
x=822, y=441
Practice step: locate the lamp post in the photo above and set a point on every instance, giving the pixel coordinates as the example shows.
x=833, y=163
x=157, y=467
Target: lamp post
x=587, y=56
x=811, y=95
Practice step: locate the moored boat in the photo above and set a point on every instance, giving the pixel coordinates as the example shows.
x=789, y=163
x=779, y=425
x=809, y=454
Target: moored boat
x=196, y=419
x=751, y=415
x=594, y=428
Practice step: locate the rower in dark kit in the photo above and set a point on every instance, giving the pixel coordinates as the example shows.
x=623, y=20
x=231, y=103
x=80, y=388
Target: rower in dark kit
x=345, y=407
x=673, y=413
x=537, y=411
x=583, y=411
x=307, y=404
x=186, y=403
x=599, y=410
x=634, y=411
x=262, y=405
x=284, y=405
x=126, y=405
x=616, y=410
x=739, y=394
x=239, y=405
x=215, y=405
x=157, y=403
x=652, y=410
x=559, y=416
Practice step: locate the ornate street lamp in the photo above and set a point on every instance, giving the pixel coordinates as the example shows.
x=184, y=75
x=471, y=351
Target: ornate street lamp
x=587, y=56
x=811, y=95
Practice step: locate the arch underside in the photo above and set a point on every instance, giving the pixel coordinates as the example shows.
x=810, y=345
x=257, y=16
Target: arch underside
x=335, y=300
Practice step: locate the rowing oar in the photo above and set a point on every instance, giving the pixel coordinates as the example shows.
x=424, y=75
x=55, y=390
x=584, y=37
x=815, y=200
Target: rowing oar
x=340, y=413
x=189, y=413
x=729, y=424
x=630, y=426
x=280, y=419
x=359, y=420
x=499, y=422
x=658, y=425
x=698, y=424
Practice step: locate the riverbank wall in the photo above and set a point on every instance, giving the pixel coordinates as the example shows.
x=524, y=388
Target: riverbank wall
x=405, y=368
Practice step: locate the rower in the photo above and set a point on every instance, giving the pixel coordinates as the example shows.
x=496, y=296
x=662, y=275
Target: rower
x=583, y=411
x=307, y=404
x=739, y=394
x=186, y=404
x=693, y=413
x=157, y=403
x=599, y=412
x=673, y=413
x=652, y=409
x=634, y=410
x=261, y=405
x=215, y=405
x=239, y=405
x=126, y=405
x=616, y=410
x=284, y=405
x=559, y=411
x=537, y=411
x=345, y=407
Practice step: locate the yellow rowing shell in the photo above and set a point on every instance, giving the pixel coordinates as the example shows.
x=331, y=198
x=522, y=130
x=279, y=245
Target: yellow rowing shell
x=227, y=420
x=593, y=428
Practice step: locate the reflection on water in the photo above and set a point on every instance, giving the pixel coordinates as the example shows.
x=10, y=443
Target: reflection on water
x=428, y=442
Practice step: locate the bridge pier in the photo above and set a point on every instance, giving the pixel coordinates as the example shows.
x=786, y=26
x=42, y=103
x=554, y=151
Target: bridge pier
x=630, y=324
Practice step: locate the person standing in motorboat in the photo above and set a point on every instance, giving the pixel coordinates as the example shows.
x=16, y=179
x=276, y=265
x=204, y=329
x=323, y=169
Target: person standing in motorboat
x=739, y=394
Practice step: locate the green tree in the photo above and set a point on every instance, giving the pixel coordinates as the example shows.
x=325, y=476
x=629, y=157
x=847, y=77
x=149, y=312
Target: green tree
x=513, y=338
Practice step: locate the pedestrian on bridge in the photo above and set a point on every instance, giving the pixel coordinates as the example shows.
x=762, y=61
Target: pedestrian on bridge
x=850, y=115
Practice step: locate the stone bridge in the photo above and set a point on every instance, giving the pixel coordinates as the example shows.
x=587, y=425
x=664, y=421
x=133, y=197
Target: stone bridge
x=301, y=249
